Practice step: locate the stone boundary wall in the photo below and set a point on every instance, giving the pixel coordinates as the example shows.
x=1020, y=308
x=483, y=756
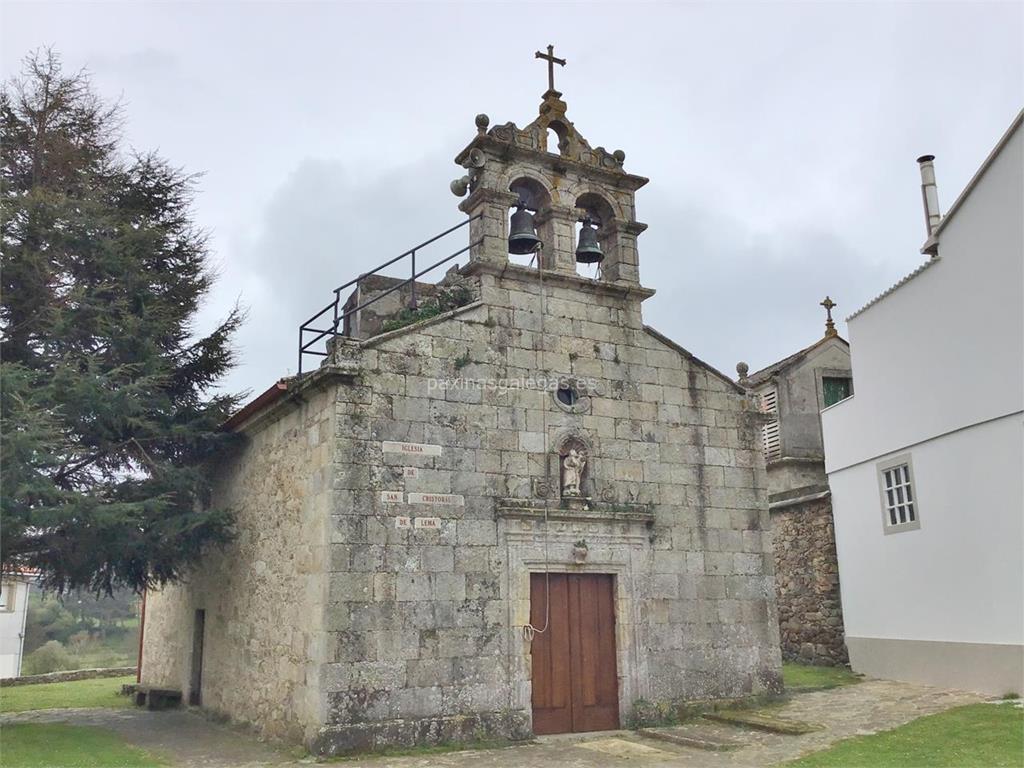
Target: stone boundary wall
x=807, y=584
x=67, y=676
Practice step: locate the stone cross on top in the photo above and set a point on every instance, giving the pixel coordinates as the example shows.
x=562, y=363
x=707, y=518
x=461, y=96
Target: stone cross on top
x=830, y=327
x=551, y=60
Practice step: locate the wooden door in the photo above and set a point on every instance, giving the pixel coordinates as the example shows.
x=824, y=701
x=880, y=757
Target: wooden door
x=575, y=678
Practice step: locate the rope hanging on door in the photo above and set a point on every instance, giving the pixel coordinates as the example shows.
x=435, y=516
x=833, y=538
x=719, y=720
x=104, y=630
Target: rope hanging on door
x=528, y=629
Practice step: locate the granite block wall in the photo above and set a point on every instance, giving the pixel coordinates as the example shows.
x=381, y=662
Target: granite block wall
x=264, y=594
x=807, y=578
x=425, y=625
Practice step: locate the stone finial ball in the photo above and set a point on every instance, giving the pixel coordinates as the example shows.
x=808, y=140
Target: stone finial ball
x=742, y=369
x=482, y=121
x=619, y=155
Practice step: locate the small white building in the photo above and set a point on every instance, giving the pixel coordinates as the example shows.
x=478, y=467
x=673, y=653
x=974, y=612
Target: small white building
x=13, y=610
x=925, y=460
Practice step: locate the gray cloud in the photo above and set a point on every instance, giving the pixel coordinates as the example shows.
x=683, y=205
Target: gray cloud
x=779, y=138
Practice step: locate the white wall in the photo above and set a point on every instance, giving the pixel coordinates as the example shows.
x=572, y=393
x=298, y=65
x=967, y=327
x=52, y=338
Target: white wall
x=946, y=349
x=959, y=576
x=938, y=369
x=12, y=624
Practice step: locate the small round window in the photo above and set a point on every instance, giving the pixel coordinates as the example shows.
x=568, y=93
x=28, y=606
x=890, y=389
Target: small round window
x=567, y=395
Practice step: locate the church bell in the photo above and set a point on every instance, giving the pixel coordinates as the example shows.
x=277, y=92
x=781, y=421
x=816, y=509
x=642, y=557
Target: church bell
x=522, y=238
x=588, y=250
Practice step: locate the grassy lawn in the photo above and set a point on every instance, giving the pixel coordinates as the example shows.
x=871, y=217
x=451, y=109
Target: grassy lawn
x=975, y=736
x=35, y=745
x=99, y=692
x=798, y=677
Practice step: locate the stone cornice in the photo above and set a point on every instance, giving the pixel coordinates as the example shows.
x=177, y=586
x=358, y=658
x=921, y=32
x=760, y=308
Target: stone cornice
x=533, y=509
x=629, y=227
x=562, y=279
x=484, y=195
x=287, y=393
x=787, y=460
x=614, y=177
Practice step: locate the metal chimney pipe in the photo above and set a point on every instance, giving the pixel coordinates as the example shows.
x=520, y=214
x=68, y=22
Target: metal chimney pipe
x=929, y=193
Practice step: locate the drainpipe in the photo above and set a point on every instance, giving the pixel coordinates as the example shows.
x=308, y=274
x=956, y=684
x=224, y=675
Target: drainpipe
x=930, y=198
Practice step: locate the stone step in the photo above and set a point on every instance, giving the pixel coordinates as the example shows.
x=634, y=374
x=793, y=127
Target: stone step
x=763, y=722
x=696, y=735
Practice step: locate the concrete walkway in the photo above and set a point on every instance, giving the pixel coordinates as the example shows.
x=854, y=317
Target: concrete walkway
x=190, y=741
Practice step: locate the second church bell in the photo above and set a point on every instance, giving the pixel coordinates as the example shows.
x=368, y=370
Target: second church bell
x=588, y=250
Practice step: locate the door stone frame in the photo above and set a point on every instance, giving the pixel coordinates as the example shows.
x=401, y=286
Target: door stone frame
x=620, y=549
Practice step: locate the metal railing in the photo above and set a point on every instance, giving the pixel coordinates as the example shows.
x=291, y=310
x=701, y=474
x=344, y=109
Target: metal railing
x=337, y=317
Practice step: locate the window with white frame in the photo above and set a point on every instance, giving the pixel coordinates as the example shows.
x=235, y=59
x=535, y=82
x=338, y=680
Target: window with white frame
x=899, y=501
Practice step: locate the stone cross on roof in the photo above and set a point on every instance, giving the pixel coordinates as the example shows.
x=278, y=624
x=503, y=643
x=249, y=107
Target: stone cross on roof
x=551, y=60
x=830, y=326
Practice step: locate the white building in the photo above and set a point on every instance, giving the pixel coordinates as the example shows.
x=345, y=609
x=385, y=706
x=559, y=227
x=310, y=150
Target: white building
x=13, y=610
x=925, y=460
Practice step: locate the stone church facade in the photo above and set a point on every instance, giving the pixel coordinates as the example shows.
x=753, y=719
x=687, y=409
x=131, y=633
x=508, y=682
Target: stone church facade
x=418, y=516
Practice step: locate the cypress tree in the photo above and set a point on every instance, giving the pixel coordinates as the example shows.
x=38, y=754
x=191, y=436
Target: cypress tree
x=109, y=404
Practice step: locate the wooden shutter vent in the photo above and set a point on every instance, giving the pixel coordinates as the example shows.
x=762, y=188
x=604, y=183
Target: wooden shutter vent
x=770, y=431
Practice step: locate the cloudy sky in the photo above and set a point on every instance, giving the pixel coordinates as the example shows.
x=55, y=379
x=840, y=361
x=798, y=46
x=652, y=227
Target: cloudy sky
x=780, y=139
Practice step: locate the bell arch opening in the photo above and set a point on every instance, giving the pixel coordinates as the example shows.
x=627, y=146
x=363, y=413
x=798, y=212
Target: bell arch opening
x=557, y=138
x=589, y=269
x=597, y=207
x=523, y=231
x=595, y=214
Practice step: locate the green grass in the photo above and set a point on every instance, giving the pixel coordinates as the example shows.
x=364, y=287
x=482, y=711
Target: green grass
x=37, y=745
x=798, y=677
x=98, y=692
x=975, y=736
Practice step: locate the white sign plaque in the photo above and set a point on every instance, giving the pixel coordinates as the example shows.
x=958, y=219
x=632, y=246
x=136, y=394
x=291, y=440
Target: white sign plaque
x=415, y=449
x=403, y=522
x=449, y=499
x=391, y=497
x=429, y=523
x=411, y=472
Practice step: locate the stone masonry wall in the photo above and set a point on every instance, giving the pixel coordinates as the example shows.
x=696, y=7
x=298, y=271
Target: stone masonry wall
x=424, y=626
x=807, y=581
x=264, y=594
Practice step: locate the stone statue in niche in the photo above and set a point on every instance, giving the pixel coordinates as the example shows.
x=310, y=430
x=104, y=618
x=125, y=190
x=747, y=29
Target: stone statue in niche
x=574, y=462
